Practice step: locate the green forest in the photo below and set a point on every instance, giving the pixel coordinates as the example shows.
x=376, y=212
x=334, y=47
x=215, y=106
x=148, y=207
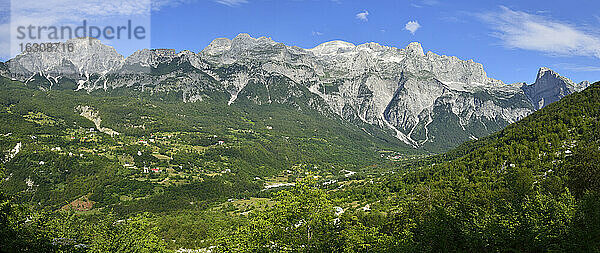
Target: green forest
x=208, y=177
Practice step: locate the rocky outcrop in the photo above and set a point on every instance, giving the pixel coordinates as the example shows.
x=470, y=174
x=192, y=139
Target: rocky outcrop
x=92, y=115
x=13, y=152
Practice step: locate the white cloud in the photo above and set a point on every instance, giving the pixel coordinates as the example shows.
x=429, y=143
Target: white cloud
x=527, y=31
x=422, y=3
x=232, y=3
x=67, y=8
x=316, y=33
x=577, y=68
x=412, y=26
x=158, y=4
x=363, y=15
x=59, y=13
x=4, y=42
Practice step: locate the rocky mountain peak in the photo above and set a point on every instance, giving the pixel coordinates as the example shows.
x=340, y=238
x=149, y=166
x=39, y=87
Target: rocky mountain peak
x=243, y=36
x=217, y=46
x=244, y=40
x=415, y=48
x=543, y=71
x=89, y=56
x=86, y=47
x=243, y=48
x=332, y=47
x=548, y=87
x=152, y=57
x=373, y=46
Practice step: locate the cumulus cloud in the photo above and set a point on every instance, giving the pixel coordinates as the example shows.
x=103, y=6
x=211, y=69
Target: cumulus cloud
x=363, y=15
x=412, y=26
x=517, y=29
x=232, y=3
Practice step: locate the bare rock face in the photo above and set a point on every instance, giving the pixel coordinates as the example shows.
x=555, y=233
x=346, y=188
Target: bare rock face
x=92, y=115
x=78, y=58
x=412, y=107
x=550, y=87
x=150, y=58
x=424, y=99
x=428, y=112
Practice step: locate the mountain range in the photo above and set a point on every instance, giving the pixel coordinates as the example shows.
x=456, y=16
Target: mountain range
x=426, y=100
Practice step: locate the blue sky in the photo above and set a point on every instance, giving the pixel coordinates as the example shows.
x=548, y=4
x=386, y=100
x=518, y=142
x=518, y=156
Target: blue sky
x=512, y=39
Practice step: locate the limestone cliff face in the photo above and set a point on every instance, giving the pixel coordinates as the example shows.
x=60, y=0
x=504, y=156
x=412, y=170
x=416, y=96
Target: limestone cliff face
x=83, y=58
x=550, y=87
x=424, y=99
x=398, y=89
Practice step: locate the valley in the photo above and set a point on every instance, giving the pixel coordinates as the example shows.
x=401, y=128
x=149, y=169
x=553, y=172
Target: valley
x=255, y=146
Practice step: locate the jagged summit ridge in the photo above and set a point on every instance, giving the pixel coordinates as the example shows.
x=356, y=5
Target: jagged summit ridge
x=356, y=59
x=543, y=70
x=332, y=47
x=217, y=46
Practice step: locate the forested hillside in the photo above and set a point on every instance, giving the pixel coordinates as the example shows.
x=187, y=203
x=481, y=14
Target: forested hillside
x=126, y=152
x=163, y=152
x=532, y=187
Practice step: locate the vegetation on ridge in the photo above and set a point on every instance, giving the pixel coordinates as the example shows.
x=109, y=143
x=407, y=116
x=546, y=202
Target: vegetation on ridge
x=533, y=186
